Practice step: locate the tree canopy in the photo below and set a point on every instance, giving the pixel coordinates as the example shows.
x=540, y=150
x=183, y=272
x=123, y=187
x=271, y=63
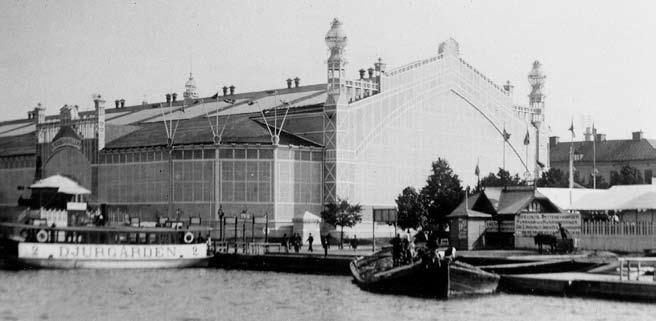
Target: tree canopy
x=628, y=175
x=554, y=177
x=442, y=192
x=342, y=214
x=501, y=178
x=412, y=209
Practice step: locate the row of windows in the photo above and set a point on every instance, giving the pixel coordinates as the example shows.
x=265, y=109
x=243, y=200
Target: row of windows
x=162, y=155
x=17, y=162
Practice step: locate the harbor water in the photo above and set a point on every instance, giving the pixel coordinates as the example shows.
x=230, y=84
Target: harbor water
x=215, y=294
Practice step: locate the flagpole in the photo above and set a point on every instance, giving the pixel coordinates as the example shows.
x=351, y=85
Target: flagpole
x=571, y=164
x=594, y=157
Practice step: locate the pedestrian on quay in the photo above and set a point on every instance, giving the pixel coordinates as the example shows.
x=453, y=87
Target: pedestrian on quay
x=296, y=243
x=284, y=243
x=324, y=244
x=310, y=240
x=354, y=242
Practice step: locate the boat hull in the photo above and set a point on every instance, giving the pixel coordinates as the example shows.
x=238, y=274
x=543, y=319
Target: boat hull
x=111, y=256
x=439, y=279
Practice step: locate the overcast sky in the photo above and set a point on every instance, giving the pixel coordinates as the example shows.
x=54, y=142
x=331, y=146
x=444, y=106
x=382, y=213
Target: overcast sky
x=597, y=56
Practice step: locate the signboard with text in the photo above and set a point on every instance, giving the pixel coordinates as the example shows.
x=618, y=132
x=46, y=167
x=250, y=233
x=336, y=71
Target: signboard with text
x=529, y=225
x=506, y=226
x=385, y=215
x=110, y=251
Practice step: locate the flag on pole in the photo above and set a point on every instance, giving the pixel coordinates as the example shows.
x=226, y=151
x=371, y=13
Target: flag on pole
x=477, y=171
x=571, y=129
x=526, y=138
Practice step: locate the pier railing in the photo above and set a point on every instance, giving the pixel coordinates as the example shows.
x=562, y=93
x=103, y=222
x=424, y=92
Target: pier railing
x=617, y=236
x=249, y=248
x=638, y=262
x=618, y=228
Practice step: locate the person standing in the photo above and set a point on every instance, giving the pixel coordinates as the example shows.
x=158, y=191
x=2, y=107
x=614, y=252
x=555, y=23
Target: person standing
x=310, y=240
x=284, y=243
x=354, y=242
x=396, y=250
x=324, y=244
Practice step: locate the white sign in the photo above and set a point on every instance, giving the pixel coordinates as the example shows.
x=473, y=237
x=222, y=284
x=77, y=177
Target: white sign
x=111, y=251
x=529, y=225
x=506, y=226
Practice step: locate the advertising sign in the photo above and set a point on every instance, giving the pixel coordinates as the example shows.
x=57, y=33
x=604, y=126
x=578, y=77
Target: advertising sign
x=506, y=226
x=110, y=251
x=529, y=225
x=385, y=215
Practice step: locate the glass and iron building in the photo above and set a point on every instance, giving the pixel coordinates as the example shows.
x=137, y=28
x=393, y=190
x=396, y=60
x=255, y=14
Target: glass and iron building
x=283, y=152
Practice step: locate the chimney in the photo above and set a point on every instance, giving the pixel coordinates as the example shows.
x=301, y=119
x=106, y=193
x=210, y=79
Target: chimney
x=601, y=137
x=232, y=90
x=289, y=83
x=225, y=91
x=588, y=134
x=553, y=141
x=100, y=120
x=116, y=103
x=297, y=81
x=362, y=71
x=168, y=98
x=174, y=96
x=371, y=73
x=122, y=103
x=637, y=135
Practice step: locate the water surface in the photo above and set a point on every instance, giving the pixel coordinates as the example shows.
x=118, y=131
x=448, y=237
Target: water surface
x=211, y=294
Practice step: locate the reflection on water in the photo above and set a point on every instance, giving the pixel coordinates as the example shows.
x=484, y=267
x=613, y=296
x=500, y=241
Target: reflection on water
x=209, y=294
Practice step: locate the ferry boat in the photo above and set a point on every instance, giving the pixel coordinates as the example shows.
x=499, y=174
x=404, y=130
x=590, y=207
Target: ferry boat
x=98, y=247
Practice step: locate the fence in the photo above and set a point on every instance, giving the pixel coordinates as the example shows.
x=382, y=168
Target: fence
x=617, y=236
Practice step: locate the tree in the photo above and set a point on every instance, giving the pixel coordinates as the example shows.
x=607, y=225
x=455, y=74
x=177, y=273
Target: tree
x=554, y=177
x=628, y=175
x=412, y=209
x=342, y=214
x=600, y=182
x=442, y=192
x=501, y=179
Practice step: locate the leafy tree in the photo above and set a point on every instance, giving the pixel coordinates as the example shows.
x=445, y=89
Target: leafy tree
x=412, y=208
x=554, y=177
x=628, y=175
x=601, y=182
x=501, y=179
x=442, y=192
x=342, y=214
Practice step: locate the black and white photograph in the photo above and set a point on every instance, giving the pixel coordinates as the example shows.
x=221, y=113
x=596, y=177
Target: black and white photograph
x=327, y=160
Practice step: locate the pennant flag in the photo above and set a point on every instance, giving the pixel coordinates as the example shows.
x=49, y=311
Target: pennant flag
x=540, y=164
x=477, y=171
x=571, y=129
x=506, y=135
x=526, y=138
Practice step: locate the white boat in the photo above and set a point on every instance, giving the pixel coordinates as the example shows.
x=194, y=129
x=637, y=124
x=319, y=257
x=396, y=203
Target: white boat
x=102, y=247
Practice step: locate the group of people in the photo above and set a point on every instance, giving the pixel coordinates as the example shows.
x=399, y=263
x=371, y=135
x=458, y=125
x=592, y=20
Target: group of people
x=405, y=251
x=295, y=242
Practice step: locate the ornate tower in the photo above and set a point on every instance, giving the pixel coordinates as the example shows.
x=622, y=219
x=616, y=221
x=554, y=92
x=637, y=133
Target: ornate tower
x=338, y=150
x=536, y=105
x=190, y=92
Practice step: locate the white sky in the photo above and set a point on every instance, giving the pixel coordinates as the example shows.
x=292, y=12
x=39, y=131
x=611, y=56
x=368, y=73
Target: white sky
x=597, y=56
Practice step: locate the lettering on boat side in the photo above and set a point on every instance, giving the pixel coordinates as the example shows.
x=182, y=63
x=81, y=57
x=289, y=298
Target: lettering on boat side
x=110, y=252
